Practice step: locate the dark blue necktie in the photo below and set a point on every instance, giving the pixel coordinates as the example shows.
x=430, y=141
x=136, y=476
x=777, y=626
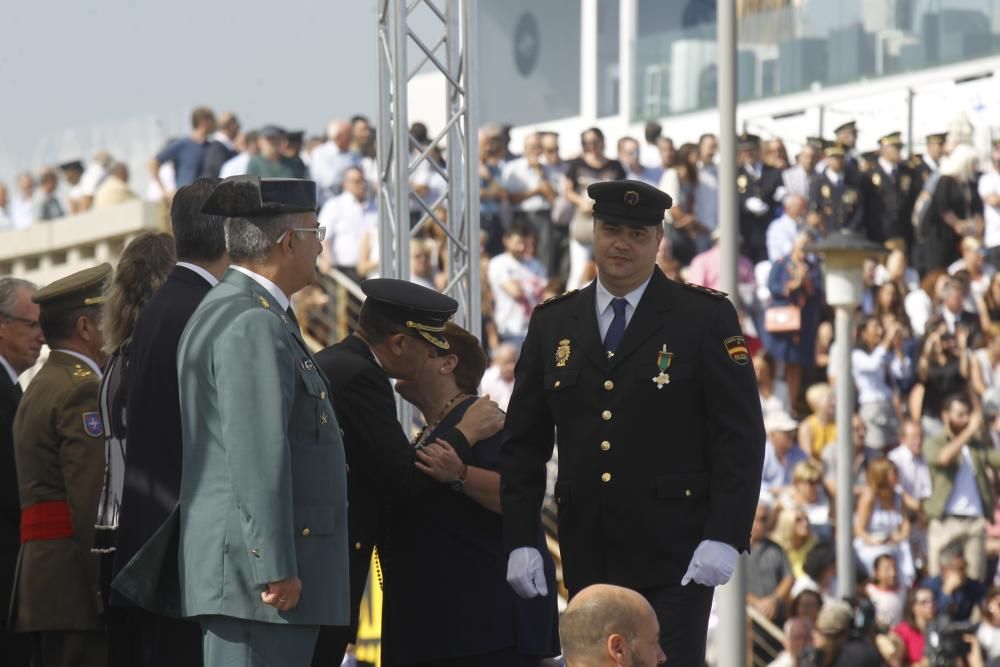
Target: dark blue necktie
x=616, y=331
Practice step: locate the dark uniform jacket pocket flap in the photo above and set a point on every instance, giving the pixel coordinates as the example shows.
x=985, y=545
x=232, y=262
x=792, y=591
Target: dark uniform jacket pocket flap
x=559, y=380
x=313, y=382
x=681, y=370
x=315, y=520
x=682, y=485
x=562, y=493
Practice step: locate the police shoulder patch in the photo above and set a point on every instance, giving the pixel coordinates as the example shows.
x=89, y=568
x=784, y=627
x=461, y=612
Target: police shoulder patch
x=707, y=291
x=557, y=297
x=93, y=425
x=736, y=347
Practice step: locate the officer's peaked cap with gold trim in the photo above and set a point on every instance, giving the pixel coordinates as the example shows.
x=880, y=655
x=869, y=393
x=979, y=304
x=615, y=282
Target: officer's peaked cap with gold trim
x=77, y=290
x=421, y=311
x=632, y=203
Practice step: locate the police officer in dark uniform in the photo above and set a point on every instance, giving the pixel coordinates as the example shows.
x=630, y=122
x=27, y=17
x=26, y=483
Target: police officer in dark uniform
x=834, y=196
x=399, y=328
x=757, y=184
x=847, y=136
x=930, y=162
x=890, y=191
x=649, y=385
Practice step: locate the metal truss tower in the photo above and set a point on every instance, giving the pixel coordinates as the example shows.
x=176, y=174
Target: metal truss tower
x=444, y=49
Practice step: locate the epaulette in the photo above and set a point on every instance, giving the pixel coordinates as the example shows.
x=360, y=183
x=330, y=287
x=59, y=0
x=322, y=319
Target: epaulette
x=707, y=291
x=557, y=297
x=81, y=372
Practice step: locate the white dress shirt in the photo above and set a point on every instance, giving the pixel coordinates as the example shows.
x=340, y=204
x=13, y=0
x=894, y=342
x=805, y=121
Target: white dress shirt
x=235, y=166
x=84, y=358
x=781, y=237
x=914, y=474
x=868, y=369
x=209, y=278
x=271, y=288
x=22, y=212
x=605, y=313
x=347, y=220
x=964, y=499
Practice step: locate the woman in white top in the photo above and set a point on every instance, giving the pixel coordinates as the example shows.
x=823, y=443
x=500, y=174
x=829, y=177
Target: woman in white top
x=773, y=392
x=880, y=524
x=878, y=353
x=923, y=304
x=986, y=367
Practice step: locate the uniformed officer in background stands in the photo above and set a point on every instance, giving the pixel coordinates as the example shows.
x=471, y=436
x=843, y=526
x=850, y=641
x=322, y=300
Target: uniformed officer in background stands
x=890, y=190
x=930, y=162
x=261, y=521
x=59, y=451
x=649, y=385
x=834, y=196
x=847, y=136
x=757, y=186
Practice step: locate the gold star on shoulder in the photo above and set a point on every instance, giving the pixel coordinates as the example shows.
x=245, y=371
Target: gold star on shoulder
x=264, y=302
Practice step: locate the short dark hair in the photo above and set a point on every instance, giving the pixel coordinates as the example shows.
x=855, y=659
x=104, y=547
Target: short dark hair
x=200, y=115
x=197, y=236
x=592, y=130
x=819, y=558
x=521, y=228
x=59, y=326
x=472, y=361
x=707, y=135
x=653, y=131
x=951, y=399
x=376, y=327
x=359, y=117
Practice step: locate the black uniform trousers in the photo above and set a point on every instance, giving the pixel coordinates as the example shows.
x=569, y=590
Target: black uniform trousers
x=683, y=615
x=141, y=639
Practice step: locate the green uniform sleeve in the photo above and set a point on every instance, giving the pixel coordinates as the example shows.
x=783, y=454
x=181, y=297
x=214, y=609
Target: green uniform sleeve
x=255, y=367
x=81, y=455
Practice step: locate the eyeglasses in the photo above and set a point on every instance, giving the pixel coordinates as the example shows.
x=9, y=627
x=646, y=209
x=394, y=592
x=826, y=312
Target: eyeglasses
x=320, y=233
x=31, y=324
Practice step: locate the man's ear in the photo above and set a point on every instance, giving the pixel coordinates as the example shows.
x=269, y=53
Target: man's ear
x=450, y=362
x=617, y=650
x=396, y=343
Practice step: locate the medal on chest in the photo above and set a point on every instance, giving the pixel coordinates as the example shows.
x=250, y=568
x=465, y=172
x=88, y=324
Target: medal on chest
x=562, y=352
x=663, y=359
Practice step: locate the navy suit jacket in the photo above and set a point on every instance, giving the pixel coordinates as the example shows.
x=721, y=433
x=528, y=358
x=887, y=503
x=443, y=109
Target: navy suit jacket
x=152, y=414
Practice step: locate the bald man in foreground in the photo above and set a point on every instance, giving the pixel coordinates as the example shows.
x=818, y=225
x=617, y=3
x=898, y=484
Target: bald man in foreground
x=610, y=626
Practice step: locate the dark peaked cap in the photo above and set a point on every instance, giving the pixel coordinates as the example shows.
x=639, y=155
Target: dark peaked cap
x=632, y=203
x=421, y=311
x=251, y=196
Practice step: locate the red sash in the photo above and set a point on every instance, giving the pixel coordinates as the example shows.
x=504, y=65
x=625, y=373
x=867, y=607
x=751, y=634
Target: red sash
x=46, y=521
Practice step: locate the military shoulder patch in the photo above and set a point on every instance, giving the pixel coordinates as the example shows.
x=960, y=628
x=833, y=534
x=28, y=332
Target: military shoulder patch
x=80, y=372
x=707, y=291
x=737, y=348
x=557, y=297
x=93, y=425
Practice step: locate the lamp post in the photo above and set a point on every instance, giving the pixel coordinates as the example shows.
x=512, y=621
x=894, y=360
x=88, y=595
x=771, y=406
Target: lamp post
x=844, y=255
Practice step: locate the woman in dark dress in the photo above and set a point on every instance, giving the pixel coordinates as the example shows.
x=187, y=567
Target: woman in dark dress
x=446, y=600
x=953, y=212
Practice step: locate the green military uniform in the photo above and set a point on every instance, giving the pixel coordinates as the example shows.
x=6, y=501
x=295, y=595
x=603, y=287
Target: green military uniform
x=59, y=452
x=283, y=167
x=263, y=487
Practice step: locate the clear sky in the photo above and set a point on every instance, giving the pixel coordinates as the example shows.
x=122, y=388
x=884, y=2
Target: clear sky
x=73, y=74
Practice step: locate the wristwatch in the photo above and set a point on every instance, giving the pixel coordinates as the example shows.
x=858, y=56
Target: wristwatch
x=458, y=484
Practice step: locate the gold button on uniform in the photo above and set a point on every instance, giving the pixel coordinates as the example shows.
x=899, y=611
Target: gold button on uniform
x=556, y=385
x=255, y=552
x=357, y=546
x=609, y=385
x=306, y=532
x=606, y=415
x=606, y=477
x=687, y=492
x=605, y=446
x=322, y=395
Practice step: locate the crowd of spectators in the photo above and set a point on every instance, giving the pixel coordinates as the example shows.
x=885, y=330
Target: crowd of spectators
x=925, y=354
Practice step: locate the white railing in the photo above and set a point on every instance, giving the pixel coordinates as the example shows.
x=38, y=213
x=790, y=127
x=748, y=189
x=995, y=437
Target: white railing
x=47, y=251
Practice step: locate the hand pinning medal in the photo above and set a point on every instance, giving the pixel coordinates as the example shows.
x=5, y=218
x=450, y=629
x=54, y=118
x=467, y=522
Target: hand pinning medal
x=663, y=359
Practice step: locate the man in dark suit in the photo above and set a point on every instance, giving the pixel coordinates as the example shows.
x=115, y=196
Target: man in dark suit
x=890, y=190
x=21, y=341
x=757, y=184
x=835, y=197
x=649, y=385
x=400, y=327
x=153, y=460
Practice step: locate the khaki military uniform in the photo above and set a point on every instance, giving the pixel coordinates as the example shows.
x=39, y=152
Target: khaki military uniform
x=59, y=450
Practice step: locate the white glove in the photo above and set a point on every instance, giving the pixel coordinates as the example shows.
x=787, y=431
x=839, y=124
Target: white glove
x=711, y=565
x=756, y=206
x=525, y=572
